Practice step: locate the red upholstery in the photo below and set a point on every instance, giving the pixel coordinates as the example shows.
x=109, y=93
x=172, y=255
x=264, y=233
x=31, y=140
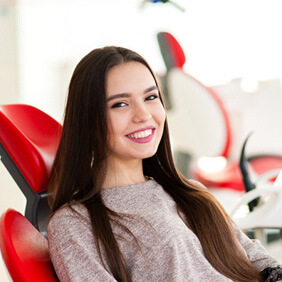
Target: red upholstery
x=229, y=177
x=171, y=50
x=224, y=113
x=22, y=124
x=262, y=164
x=176, y=50
x=24, y=249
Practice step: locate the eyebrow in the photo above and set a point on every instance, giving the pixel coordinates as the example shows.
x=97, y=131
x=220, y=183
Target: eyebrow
x=126, y=95
x=154, y=87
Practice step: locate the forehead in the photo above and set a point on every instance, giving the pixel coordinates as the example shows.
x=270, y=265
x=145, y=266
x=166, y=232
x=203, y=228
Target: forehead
x=128, y=78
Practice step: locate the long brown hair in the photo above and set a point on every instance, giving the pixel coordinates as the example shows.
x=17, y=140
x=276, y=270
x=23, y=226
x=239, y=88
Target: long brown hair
x=78, y=174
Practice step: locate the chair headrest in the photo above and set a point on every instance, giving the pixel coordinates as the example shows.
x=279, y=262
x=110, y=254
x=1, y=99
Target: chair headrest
x=31, y=138
x=24, y=249
x=171, y=50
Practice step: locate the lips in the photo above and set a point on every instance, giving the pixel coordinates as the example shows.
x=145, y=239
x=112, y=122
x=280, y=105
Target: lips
x=142, y=135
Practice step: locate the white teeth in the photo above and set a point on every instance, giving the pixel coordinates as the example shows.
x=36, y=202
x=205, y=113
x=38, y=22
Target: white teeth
x=141, y=134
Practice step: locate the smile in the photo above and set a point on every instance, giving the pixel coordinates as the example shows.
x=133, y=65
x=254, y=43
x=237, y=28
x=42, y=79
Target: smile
x=142, y=136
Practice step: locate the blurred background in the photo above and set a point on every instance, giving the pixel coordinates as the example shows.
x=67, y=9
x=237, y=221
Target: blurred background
x=234, y=47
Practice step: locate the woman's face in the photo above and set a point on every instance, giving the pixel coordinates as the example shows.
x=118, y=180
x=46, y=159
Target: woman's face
x=135, y=114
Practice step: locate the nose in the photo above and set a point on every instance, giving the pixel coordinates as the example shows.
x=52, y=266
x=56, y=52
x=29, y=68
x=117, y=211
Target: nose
x=140, y=113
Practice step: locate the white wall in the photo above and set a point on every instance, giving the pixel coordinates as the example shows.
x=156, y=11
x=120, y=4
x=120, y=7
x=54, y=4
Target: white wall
x=54, y=37
x=8, y=53
x=222, y=40
x=10, y=195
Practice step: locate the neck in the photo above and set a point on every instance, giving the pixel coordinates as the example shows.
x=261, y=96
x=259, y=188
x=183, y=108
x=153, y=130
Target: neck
x=123, y=173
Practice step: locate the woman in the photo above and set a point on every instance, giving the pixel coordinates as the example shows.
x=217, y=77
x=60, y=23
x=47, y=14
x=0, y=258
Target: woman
x=121, y=210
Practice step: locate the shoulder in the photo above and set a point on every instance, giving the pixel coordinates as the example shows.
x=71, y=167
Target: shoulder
x=68, y=218
x=69, y=226
x=71, y=246
x=70, y=211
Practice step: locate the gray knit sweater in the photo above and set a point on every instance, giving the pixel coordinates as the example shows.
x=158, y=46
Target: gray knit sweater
x=167, y=250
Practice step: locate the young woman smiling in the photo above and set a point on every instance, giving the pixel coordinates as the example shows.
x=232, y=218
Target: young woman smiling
x=121, y=210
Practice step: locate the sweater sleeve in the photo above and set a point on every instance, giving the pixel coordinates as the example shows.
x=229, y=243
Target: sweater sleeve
x=256, y=253
x=72, y=250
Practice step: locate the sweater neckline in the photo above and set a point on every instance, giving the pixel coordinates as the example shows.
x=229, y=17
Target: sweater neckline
x=146, y=184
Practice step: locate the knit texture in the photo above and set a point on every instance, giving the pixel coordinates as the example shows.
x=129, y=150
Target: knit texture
x=166, y=249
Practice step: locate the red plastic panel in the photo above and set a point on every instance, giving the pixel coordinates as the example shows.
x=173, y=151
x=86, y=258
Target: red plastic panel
x=262, y=164
x=31, y=138
x=230, y=177
x=224, y=113
x=24, y=249
x=176, y=50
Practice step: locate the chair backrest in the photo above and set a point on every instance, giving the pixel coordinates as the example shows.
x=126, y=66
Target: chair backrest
x=172, y=52
x=28, y=143
x=24, y=249
x=198, y=122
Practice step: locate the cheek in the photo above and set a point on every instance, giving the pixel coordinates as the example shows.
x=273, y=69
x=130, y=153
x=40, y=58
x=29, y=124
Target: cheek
x=110, y=129
x=116, y=125
x=161, y=116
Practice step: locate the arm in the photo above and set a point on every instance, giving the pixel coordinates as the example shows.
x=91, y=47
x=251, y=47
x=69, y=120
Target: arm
x=270, y=268
x=72, y=249
x=255, y=251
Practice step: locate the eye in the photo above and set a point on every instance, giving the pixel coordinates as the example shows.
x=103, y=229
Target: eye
x=151, y=97
x=118, y=105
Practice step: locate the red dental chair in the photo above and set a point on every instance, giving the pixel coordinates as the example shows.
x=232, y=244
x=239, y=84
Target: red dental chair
x=199, y=124
x=24, y=249
x=28, y=144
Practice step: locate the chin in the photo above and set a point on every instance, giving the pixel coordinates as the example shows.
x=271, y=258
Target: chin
x=148, y=155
